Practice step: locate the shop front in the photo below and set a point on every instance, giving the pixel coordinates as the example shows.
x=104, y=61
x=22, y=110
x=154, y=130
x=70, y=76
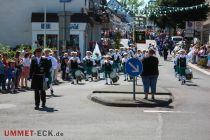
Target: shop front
x=51, y=32
x=78, y=34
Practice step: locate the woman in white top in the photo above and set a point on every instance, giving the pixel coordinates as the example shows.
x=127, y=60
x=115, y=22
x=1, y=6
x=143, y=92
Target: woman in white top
x=26, y=62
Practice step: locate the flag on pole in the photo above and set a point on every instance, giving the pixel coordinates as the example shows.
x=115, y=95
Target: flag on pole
x=96, y=50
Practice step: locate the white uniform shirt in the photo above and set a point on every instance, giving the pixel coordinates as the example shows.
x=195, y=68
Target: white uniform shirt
x=124, y=60
x=175, y=59
x=106, y=61
x=53, y=61
x=130, y=53
x=75, y=59
x=116, y=55
x=89, y=58
x=38, y=60
x=26, y=62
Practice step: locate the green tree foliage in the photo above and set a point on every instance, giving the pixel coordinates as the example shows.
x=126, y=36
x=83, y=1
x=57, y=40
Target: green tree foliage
x=132, y=4
x=6, y=49
x=178, y=18
x=117, y=39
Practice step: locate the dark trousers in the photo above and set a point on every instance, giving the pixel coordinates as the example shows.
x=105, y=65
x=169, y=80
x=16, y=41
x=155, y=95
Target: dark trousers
x=40, y=94
x=2, y=81
x=165, y=55
x=11, y=84
x=150, y=81
x=64, y=74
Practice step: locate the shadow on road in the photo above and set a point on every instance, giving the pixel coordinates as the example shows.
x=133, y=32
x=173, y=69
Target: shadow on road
x=53, y=95
x=192, y=85
x=196, y=78
x=81, y=84
x=115, y=84
x=48, y=109
x=139, y=85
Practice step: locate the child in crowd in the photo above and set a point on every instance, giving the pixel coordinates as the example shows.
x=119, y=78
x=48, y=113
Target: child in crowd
x=2, y=74
x=18, y=66
x=11, y=76
x=6, y=64
x=26, y=62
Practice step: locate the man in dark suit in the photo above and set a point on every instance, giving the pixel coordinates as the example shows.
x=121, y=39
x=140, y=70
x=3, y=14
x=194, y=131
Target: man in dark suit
x=39, y=73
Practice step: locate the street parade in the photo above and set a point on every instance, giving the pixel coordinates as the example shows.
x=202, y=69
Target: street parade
x=105, y=69
x=92, y=67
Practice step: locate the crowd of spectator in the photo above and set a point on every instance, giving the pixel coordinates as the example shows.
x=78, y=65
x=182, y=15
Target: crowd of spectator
x=14, y=71
x=200, y=54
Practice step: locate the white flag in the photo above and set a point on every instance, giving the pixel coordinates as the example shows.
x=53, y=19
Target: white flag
x=96, y=50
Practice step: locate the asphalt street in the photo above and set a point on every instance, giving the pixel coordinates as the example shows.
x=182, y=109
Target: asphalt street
x=71, y=112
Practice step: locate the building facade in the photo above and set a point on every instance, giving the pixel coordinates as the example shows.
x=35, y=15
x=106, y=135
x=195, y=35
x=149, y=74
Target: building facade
x=23, y=22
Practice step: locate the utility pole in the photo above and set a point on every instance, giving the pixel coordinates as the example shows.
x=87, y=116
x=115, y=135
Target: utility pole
x=63, y=25
x=45, y=26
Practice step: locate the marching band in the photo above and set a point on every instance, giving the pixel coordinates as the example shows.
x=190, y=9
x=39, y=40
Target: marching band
x=96, y=67
x=108, y=67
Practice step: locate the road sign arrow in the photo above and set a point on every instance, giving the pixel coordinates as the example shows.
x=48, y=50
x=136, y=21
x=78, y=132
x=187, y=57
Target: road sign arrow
x=135, y=69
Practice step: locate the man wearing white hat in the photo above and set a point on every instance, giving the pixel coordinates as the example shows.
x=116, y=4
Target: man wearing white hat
x=54, y=65
x=182, y=61
x=116, y=60
x=124, y=60
x=98, y=60
x=107, y=64
x=130, y=52
x=74, y=62
x=88, y=63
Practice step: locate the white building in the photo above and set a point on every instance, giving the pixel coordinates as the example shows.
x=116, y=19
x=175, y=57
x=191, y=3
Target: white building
x=22, y=22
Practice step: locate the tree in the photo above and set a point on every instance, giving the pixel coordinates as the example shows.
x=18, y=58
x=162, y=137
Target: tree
x=132, y=4
x=175, y=18
x=117, y=39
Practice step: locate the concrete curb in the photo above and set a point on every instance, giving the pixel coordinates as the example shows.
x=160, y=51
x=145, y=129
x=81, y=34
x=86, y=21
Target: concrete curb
x=199, y=69
x=136, y=103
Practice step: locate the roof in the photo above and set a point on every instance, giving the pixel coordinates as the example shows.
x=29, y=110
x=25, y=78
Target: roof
x=53, y=17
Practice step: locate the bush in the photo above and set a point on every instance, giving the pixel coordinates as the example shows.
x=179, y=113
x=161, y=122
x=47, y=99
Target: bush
x=6, y=49
x=203, y=62
x=20, y=47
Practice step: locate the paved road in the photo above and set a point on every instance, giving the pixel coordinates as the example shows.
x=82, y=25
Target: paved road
x=78, y=118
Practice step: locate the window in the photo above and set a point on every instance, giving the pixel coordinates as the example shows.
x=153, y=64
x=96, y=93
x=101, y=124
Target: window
x=51, y=40
x=74, y=40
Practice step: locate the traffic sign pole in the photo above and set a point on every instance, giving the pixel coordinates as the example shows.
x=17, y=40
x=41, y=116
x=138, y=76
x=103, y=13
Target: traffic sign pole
x=134, y=88
x=134, y=67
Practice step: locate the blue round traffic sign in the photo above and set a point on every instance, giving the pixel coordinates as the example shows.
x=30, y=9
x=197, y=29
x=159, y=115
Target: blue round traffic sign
x=134, y=67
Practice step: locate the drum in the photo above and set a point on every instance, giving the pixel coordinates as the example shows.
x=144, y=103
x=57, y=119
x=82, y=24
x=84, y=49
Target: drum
x=79, y=75
x=94, y=72
x=188, y=73
x=114, y=77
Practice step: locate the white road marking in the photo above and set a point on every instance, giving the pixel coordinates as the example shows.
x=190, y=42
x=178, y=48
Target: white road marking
x=160, y=111
x=160, y=127
x=5, y=106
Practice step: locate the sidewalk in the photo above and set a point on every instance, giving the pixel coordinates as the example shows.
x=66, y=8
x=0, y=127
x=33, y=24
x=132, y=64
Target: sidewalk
x=122, y=96
x=194, y=66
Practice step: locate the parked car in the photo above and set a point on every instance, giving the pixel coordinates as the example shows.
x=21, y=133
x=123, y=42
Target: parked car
x=176, y=39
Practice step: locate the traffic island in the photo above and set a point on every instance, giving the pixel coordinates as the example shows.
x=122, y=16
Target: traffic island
x=125, y=98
